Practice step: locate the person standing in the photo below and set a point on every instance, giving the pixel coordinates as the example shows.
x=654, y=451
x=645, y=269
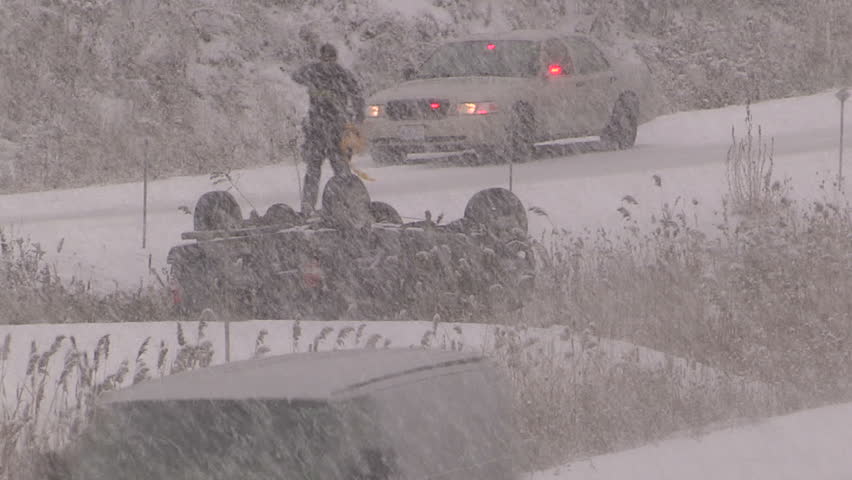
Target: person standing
x=336, y=101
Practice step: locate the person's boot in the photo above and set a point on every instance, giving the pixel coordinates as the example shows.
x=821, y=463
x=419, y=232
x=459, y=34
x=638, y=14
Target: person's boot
x=310, y=215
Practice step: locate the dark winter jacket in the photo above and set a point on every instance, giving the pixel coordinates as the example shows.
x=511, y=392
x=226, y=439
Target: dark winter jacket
x=335, y=97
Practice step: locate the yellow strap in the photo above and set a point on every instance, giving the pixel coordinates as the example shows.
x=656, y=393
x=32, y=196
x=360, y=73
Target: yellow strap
x=363, y=175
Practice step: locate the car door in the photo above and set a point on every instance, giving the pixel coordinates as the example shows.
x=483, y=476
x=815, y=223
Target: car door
x=596, y=79
x=561, y=116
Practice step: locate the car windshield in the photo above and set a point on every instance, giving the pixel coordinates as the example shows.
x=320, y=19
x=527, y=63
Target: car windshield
x=515, y=58
x=224, y=439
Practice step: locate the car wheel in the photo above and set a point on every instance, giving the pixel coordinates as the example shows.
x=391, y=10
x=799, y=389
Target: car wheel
x=387, y=156
x=486, y=155
x=499, y=210
x=384, y=213
x=217, y=210
x=281, y=214
x=620, y=132
x=346, y=203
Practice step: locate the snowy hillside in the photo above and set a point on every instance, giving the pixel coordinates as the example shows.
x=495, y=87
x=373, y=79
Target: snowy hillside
x=201, y=80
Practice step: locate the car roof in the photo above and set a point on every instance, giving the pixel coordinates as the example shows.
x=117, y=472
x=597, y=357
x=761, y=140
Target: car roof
x=532, y=35
x=301, y=376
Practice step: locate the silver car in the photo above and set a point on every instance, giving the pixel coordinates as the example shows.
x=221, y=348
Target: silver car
x=345, y=415
x=499, y=94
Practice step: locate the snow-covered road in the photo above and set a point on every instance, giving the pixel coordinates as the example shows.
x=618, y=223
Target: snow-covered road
x=102, y=226
x=812, y=444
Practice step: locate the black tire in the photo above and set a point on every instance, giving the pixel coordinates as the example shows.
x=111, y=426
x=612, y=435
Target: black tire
x=217, y=210
x=487, y=155
x=346, y=203
x=384, y=213
x=499, y=210
x=620, y=132
x=386, y=156
x=281, y=214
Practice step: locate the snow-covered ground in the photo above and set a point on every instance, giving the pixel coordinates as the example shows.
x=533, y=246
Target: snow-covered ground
x=102, y=226
x=811, y=445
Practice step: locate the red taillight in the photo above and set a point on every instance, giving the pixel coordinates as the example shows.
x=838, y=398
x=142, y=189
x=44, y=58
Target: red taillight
x=555, y=69
x=177, y=297
x=312, y=274
x=491, y=46
x=435, y=105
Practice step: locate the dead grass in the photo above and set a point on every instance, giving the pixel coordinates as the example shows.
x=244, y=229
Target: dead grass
x=581, y=402
x=32, y=291
x=765, y=298
x=53, y=403
x=568, y=404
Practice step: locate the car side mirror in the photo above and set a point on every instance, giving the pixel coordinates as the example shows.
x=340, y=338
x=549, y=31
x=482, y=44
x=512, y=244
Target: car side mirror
x=409, y=73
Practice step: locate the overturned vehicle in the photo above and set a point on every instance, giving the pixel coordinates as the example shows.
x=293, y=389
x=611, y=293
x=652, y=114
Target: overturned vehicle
x=355, y=259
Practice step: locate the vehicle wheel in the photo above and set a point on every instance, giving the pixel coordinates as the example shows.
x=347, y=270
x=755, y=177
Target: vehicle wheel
x=346, y=203
x=384, y=213
x=623, y=124
x=499, y=210
x=217, y=210
x=387, y=156
x=487, y=155
x=281, y=214
x=521, y=141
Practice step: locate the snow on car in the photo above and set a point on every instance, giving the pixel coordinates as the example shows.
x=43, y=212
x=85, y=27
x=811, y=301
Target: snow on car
x=499, y=94
x=356, y=414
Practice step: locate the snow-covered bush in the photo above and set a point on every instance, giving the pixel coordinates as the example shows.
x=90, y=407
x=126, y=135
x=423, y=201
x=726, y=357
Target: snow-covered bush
x=55, y=399
x=766, y=297
x=31, y=291
x=752, y=189
x=576, y=402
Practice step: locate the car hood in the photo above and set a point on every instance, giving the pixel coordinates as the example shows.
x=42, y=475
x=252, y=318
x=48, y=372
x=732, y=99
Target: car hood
x=462, y=89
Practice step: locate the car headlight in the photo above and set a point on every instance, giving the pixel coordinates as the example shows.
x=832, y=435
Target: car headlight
x=375, y=111
x=477, y=108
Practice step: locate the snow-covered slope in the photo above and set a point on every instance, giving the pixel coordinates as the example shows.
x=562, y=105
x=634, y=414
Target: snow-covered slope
x=813, y=445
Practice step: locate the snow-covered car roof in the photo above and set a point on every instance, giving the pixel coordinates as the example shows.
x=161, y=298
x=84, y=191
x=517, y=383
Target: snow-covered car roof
x=532, y=35
x=301, y=376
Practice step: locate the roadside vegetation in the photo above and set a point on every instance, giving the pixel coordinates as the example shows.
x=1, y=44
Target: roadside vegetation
x=765, y=295
x=31, y=291
x=571, y=399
